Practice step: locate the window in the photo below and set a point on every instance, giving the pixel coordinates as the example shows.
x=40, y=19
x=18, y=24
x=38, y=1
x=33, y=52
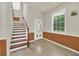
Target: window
x=59, y=23
x=16, y=5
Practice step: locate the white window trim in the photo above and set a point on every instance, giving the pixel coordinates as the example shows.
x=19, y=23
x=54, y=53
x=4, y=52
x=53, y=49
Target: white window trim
x=63, y=11
x=58, y=13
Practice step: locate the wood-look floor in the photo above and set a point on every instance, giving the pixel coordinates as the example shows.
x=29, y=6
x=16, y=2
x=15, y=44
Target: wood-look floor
x=43, y=48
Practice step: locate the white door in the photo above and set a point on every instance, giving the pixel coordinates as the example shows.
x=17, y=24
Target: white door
x=38, y=29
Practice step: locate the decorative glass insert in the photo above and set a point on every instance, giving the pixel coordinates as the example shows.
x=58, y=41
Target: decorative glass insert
x=59, y=23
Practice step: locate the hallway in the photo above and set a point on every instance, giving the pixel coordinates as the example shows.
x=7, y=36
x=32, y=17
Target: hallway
x=43, y=48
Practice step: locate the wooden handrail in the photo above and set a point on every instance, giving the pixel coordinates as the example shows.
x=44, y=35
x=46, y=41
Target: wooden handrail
x=28, y=43
x=25, y=22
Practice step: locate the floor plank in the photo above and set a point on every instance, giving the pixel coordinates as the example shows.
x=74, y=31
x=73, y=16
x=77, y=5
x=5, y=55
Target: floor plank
x=43, y=48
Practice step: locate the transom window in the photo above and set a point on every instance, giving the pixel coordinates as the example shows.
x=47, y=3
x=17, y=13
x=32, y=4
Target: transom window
x=16, y=5
x=59, y=23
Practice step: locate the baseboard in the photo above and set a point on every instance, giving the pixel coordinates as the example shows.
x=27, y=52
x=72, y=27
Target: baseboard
x=3, y=47
x=32, y=40
x=62, y=46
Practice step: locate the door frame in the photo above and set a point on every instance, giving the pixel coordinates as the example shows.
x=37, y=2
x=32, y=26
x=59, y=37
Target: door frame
x=35, y=33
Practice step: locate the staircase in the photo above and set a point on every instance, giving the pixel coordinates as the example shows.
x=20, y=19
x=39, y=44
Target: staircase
x=18, y=37
x=20, y=34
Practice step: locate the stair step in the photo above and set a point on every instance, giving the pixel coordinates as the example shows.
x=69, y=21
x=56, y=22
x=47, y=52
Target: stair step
x=22, y=34
x=16, y=41
x=18, y=27
x=15, y=49
x=18, y=24
x=18, y=34
x=18, y=45
x=18, y=31
x=18, y=37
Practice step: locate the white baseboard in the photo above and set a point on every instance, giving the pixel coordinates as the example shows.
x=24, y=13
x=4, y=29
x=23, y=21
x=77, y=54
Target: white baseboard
x=62, y=46
x=34, y=40
x=31, y=40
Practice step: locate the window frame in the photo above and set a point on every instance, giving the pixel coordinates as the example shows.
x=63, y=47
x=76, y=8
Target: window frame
x=60, y=12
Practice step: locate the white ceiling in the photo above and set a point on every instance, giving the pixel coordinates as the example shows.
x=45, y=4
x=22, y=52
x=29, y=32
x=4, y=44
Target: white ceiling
x=43, y=6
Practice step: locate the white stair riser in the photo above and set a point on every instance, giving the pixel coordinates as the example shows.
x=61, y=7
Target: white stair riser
x=19, y=33
x=19, y=43
x=18, y=29
x=18, y=39
x=19, y=36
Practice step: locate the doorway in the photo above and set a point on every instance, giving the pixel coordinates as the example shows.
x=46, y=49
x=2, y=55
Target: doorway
x=38, y=29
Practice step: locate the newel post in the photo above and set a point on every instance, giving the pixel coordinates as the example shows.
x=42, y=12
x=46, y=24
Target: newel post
x=28, y=43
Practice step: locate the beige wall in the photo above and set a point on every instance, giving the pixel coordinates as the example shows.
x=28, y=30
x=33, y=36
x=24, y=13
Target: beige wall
x=72, y=22
x=9, y=21
x=18, y=13
x=31, y=16
x=3, y=20
x=6, y=23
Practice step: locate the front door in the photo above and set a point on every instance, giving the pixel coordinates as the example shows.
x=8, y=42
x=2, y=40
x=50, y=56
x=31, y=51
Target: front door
x=38, y=29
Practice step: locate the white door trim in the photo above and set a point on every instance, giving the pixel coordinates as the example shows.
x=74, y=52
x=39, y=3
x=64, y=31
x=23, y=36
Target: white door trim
x=38, y=32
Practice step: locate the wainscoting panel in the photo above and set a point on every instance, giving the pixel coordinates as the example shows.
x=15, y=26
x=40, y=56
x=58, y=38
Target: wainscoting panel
x=69, y=41
x=3, y=47
x=16, y=18
x=31, y=36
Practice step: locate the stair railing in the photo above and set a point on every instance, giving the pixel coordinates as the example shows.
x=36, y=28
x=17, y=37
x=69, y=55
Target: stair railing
x=12, y=11
x=27, y=31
